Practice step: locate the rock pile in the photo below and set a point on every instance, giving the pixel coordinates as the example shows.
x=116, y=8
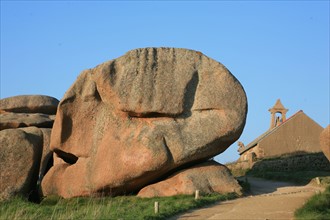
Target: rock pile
x=137, y=119
x=25, y=128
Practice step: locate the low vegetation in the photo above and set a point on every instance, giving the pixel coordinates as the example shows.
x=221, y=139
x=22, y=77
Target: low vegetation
x=317, y=207
x=121, y=207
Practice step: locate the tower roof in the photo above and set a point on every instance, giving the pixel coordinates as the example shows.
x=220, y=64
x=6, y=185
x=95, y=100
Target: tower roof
x=278, y=107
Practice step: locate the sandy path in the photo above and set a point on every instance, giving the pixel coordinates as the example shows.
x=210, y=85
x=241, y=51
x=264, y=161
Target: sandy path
x=268, y=200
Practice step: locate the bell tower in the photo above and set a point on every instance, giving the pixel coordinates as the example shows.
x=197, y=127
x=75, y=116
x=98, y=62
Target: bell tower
x=278, y=114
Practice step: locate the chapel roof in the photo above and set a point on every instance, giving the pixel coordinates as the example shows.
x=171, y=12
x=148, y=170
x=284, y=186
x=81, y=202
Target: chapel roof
x=270, y=131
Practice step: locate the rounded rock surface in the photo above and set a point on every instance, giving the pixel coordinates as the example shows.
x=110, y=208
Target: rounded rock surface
x=133, y=119
x=20, y=154
x=208, y=177
x=29, y=104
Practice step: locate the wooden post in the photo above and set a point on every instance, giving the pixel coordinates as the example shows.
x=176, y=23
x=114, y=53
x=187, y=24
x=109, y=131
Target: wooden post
x=318, y=181
x=196, y=194
x=156, y=207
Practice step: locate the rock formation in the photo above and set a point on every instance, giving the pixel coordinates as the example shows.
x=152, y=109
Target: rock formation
x=325, y=141
x=134, y=119
x=18, y=120
x=20, y=160
x=207, y=177
x=30, y=104
x=24, y=138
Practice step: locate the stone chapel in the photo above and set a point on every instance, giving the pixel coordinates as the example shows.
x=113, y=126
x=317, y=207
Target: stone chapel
x=296, y=134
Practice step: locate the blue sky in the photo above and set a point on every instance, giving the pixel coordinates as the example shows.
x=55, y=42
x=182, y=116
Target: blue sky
x=276, y=49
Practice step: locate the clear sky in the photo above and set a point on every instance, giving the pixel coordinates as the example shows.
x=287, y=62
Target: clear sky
x=276, y=49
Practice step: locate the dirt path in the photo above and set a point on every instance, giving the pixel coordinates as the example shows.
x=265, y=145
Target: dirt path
x=268, y=200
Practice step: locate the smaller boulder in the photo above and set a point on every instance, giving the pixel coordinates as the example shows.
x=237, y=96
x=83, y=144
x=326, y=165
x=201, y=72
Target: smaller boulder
x=325, y=141
x=29, y=104
x=207, y=177
x=19, y=120
x=20, y=154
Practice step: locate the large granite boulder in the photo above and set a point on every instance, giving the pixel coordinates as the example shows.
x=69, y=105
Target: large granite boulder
x=20, y=155
x=30, y=104
x=208, y=177
x=325, y=141
x=133, y=119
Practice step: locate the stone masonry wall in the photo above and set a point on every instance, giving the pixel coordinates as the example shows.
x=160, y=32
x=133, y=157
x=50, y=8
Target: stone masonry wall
x=302, y=162
x=307, y=162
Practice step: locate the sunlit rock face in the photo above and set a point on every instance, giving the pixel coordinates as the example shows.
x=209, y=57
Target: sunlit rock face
x=134, y=119
x=29, y=104
x=208, y=177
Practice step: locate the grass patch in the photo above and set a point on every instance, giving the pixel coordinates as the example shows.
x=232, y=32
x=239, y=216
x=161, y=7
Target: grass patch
x=317, y=207
x=121, y=207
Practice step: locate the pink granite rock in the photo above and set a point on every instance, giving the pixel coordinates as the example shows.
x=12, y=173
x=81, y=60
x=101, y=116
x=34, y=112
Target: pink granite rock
x=20, y=155
x=29, y=104
x=18, y=120
x=208, y=177
x=133, y=119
